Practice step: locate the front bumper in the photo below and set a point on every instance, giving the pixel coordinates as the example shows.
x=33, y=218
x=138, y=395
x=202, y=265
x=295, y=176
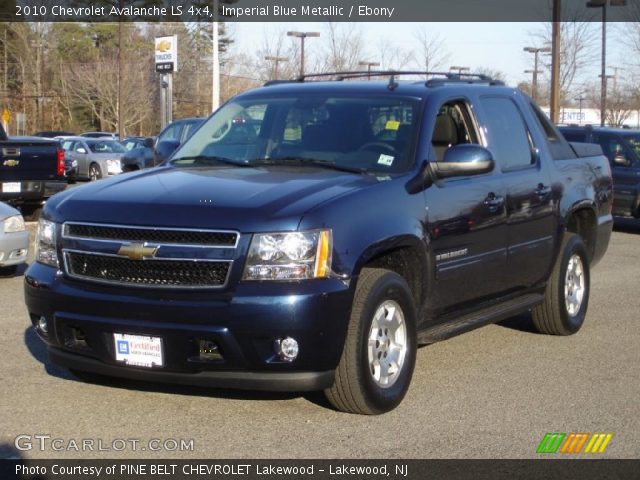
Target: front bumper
x=13, y=248
x=244, y=323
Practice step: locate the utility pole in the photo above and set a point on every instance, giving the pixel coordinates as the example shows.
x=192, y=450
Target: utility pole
x=554, y=106
x=215, y=60
x=603, y=60
x=119, y=85
x=276, y=61
x=580, y=99
x=302, y=36
x=535, y=71
x=369, y=65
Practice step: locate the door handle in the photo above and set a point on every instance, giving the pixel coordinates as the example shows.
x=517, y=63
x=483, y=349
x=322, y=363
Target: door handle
x=543, y=190
x=494, y=202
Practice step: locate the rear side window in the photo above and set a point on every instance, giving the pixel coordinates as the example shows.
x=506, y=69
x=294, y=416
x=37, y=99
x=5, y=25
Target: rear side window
x=508, y=137
x=558, y=146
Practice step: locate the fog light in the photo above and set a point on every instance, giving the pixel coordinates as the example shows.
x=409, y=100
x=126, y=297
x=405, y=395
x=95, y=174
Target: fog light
x=209, y=351
x=42, y=325
x=287, y=349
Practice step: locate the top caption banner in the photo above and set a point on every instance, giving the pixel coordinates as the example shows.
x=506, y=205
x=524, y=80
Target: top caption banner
x=310, y=11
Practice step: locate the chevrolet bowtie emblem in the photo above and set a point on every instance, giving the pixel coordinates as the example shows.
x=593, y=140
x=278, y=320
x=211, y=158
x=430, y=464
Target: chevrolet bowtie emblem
x=137, y=251
x=11, y=163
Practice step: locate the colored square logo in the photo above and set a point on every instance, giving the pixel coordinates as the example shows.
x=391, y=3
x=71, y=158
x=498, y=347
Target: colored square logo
x=123, y=347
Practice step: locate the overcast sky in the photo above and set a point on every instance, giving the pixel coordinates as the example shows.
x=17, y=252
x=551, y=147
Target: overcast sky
x=497, y=46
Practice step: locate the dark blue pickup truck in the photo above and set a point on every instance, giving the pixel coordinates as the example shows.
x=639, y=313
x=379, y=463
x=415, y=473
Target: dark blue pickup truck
x=311, y=234
x=31, y=170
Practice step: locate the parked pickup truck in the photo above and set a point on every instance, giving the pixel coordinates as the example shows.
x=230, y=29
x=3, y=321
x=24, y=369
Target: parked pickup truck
x=622, y=147
x=359, y=220
x=31, y=170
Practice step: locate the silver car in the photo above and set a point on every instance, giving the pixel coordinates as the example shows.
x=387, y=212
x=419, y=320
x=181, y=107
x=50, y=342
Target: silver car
x=96, y=157
x=14, y=240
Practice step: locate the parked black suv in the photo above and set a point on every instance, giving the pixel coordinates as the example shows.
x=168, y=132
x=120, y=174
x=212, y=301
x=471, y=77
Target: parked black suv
x=311, y=235
x=622, y=147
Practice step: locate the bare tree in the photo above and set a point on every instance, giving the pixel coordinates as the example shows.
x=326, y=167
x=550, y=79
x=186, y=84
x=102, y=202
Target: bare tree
x=431, y=54
x=578, y=50
x=344, y=48
x=276, y=44
x=94, y=86
x=392, y=57
x=621, y=102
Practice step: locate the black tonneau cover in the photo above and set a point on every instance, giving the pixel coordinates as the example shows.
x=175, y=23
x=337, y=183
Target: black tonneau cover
x=586, y=149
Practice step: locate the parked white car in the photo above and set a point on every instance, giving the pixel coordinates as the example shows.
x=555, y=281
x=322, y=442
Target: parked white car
x=14, y=240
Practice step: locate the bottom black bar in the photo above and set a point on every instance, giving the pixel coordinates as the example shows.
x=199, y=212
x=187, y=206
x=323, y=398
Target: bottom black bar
x=320, y=469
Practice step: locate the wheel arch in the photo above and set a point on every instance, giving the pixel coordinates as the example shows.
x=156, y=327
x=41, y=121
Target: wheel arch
x=582, y=220
x=405, y=255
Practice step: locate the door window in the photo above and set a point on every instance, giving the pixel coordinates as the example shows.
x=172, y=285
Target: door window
x=509, y=139
x=454, y=126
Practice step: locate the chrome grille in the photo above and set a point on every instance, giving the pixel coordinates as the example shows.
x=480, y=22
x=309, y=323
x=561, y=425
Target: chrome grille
x=210, y=238
x=174, y=258
x=153, y=273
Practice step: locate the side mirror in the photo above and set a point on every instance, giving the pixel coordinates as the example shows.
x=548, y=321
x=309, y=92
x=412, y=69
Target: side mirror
x=81, y=150
x=621, y=160
x=164, y=150
x=462, y=160
x=148, y=142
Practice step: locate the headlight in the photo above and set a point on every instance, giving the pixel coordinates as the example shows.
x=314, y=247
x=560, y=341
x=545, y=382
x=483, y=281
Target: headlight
x=289, y=256
x=14, y=224
x=46, y=243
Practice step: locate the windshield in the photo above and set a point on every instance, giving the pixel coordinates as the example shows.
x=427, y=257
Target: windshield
x=369, y=134
x=105, y=146
x=634, y=143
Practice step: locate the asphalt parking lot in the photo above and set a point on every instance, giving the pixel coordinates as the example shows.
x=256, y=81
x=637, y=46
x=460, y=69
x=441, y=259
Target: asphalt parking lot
x=492, y=393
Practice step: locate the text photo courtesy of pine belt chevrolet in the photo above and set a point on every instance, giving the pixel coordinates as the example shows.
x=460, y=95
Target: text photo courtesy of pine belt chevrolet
x=312, y=234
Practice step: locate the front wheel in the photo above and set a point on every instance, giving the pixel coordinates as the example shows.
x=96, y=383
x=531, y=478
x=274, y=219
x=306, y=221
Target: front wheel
x=567, y=294
x=94, y=172
x=379, y=354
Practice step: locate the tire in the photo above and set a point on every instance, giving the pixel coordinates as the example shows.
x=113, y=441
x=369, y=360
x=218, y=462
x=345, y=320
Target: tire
x=567, y=295
x=94, y=172
x=360, y=384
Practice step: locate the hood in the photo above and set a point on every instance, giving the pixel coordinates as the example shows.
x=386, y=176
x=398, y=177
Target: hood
x=7, y=211
x=236, y=198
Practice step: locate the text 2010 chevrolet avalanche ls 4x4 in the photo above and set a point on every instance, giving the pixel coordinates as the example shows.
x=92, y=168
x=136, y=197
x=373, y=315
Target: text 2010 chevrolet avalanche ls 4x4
x=311, y=235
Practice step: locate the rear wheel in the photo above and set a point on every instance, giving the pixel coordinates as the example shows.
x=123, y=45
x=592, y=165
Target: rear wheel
x=94, y=172
x=379, y=354
x=567, y=294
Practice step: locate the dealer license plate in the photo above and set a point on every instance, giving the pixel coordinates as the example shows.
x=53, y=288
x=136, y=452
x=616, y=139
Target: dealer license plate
x=138, y=350
x=11, y=187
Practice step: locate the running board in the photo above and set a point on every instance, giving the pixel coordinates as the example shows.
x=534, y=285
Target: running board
x=479, y=318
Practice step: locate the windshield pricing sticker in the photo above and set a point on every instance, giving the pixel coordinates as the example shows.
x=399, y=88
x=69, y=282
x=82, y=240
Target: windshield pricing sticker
x=392, y=125
x=386, y=160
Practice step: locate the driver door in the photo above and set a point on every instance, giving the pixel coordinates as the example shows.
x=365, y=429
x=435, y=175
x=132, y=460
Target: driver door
x=466, y=219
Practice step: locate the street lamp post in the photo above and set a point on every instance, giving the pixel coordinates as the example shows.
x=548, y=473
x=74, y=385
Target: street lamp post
x=302, y=36
x=535, y=71
x=603, y=64
x=459, y=69
x=369, y=65
x=580, y=99
x=276, y=61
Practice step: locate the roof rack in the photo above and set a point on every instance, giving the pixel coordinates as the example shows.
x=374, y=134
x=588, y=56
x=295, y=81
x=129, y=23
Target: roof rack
x=444, y=77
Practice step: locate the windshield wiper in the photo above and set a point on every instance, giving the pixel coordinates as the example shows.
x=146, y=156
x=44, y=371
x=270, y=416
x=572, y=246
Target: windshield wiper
x=307, y=161
x=210, y=160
